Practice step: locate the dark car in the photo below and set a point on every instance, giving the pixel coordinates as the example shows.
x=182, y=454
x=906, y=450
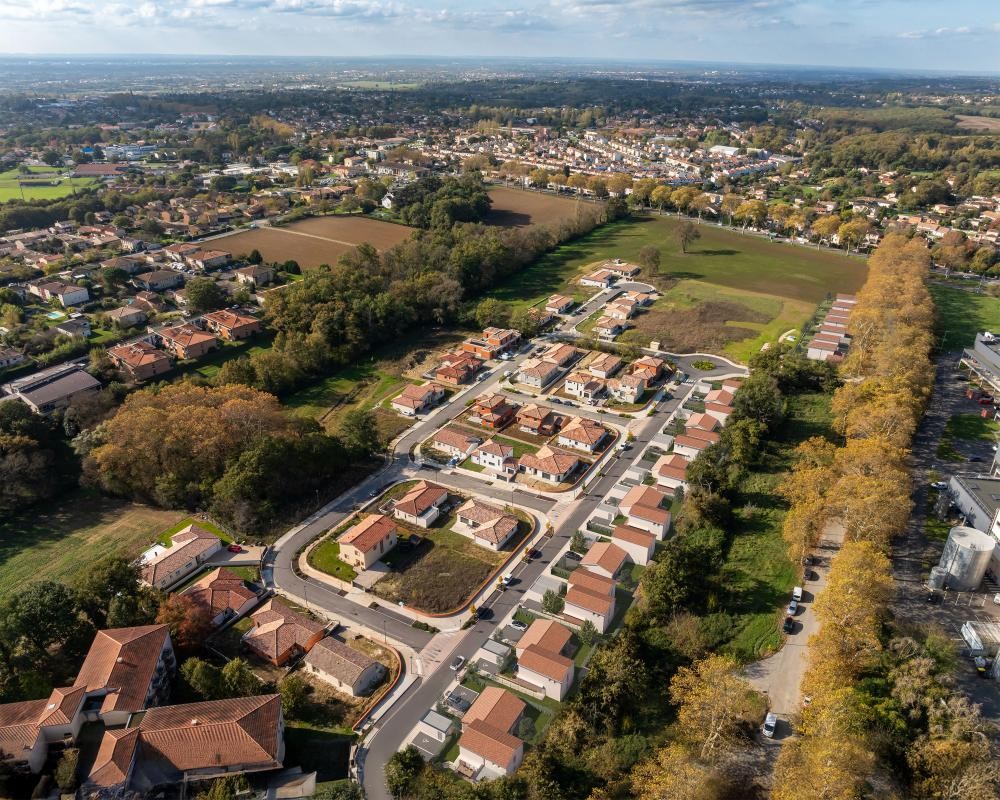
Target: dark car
x=933, y=598
x=789, y=625
x=975, y=459
x=484, y=613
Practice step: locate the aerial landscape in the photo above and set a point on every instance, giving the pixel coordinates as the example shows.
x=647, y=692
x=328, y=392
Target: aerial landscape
x=564, y=401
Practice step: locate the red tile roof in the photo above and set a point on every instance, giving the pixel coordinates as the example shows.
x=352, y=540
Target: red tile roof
x=124, y=661
x=421, y=498
x=277, y=628
x=366, y=535
x=221, y=590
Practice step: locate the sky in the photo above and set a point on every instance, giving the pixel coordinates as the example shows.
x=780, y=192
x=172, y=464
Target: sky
x=959, y=35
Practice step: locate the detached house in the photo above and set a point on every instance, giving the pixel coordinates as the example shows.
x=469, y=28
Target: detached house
x=158, y=280
x=457, y=368
x=627, y=388
x=670, y=471
x=591, y=597
x=561, y=354
x=583, y=386
x=493, y=411
x=604, y=365
x=421, y=505
x=454, y=442
x=163, y=567
x=487, y=748
x=493, y=343
x=608, y=328
x=601, y=278
x=139, y=360
x=496, y=457
x=649, y=368
x=367, y=541
x=537, y=373
x=186, y=341
x=584, y=434
x=558, y=304
x=415, y=400
x=348, y=670
x=225, y=594
x=548, y=464
x=645, y=508
x=606, y=559
x=542, y=659
x=537, y=420
x=486, y=524
x=639, y=544
x=280, y=634
x=254, y=275
x=232, y=325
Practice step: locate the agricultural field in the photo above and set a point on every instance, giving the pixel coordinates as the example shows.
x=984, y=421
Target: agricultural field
x=518, y=208
x=15, y=186
x=315, y=241
x=975, y=123
x=63, y=538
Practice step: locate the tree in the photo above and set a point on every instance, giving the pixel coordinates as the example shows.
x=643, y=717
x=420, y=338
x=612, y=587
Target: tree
x=140, y=608
x=255, y=257
x=526, y=321
x=52, y=158
x=578, y=543
x=294, y=693
x=552, y=602
x=204, y=294
x=687, y=234
x=110, y=578
x=190, y=622
x=588, y=632
x=65, y=773
x=225, y=788
x=751, y=212
x=492, y=313
x=824, y=227
x=674, y=774
x=360, y=433
x=339, y=791
x=402, y=771
x=649, y=259
x=238, y=680
x=853, y=232
x=113, y=277
x=204, y=679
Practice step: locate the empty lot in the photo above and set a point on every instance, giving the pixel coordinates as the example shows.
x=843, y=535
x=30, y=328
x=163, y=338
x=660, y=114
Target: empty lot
x=517, y=208
x=315, y=241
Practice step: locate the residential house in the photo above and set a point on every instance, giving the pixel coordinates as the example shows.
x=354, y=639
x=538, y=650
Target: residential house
x=158, y=280
x=179, y=252
x=640, y=298
x=415, y=400
x=457, y=368
x=584, y=434
x=622, y=269
x=209, y=259
x=542, y=660
x=421, y=505
x=639, y=544
x=279, y=634
x=493, y=343
x=670, y=471
x=646, y=508
x=488, y=525
x=139, y=360
x=496, y=457
x=493, y=411
x=590, y=597
x=583, y=386
x=150, y=302
x=232, y=325
x=436, y=726
x=254, y=275
x=78, y=325
x=175, y=745
x=53, y=389
x=128, y=264
x=367, y=541
x=537, y=373
x=558, y=304
x=454, y=442
x=548, y=464
x=601, y=278
x=607, y=328
x=620, y=311
x=604, y=365
x=702, y=422
x=537, y=420
x=28, y=728
x=163, y=567
x=561, y=354
x=627, y=388
x=650, y=368
x=348, y=670
x=66, y=293
x=690, y=446
x=127, y=316
x=487, y=748
x=225, y=594
x=186, y=341
x=10, y=357
x=606, y=559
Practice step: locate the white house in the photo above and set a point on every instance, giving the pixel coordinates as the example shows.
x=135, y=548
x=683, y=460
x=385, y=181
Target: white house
x=496, y=457
x=584, y=434
x=542, y=659
x=421, y=505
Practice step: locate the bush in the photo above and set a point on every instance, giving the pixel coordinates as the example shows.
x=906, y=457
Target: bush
x=552, y=602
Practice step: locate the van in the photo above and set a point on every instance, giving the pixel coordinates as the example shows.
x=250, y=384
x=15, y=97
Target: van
x=770, y=723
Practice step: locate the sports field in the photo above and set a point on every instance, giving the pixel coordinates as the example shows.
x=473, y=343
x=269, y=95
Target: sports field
x=962, y=314
x=519, y=208
x=42, y=184
x=315, y=241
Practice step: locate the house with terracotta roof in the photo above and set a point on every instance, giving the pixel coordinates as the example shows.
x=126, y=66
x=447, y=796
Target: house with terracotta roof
x=493, y=343
x=601, y=278
x=126, y=316
x=537, y=373
x=549, y=464
x=623, y=269
x=486, y=524
x=607, y=328
x=558, y=304
x=421, y=505
x=646, y=508
x=702, y=422
x=628, y=388
x=497, y=457
x=232, y=325
x=186, y=341
x=590, y=597
x=542, y=658
x=689, y=446
x=583, y=386
x=140, y=360
x=28, y=728
x=582, y=433
x=174, y=745
x=254, y=275
x=367, y=541
x=348, y=670
x=487, y=748
x=560, y=353
x=126, y=670
x=620, y=310
x=670, y=471
x=639, y=544
x=605, y=558
x=225, y=594
x=163, y=567
x=537, y=420
x=415, y=400
x=454, y=442
x=719, y=411
x=605, y=365
x=280, y=634
x=650, y=368
x=493, y=411
x=456, y=368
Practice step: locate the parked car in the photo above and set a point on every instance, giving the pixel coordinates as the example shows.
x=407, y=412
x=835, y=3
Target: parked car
x=975, y=459
x=770, y=723
x=456, y=663
x=789, y=625
x=507, y=580
x=792, y=608
x=985, y=400
x=517, y=625
x=933, y=598
x=234, y=548
x=797, y=594
x=939, y=485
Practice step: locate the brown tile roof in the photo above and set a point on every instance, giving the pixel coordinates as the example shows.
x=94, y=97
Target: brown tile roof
x=627, y=533
x=63, y=705
x=645, y=502
x=721, y=396
x=455, y=438
x=19, y=727
x=495, y=525
x=591, y=601
x=221, y=590
x=691, y=441
x=584, y=431
x=123, y=660
x=551, y=665
x=607, y=556
x=338, y=659
x=605, y=362
x=230, y=319
x=276, y=629
x=114, y=757
x=534, y=413
x=187, y=544
x=591, y=581
x=186, y=335
x=368, y=533
x=489, y=742
x=550, y=460
x=495, y=448
x=546, y=634
x=706, y=436
x=420, y=498
x=560, y=353
x=496, y=707
x=137, y=354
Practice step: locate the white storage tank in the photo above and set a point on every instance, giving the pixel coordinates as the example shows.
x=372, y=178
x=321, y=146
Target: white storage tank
x=966, y=557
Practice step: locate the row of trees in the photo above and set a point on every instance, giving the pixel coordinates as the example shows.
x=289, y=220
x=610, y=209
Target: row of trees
x=883, y=710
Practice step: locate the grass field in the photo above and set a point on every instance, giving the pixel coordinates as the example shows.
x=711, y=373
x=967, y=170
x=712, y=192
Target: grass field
x=961, y=315
x=965, y=427
x=315, y=241
x=975, y=123
x=60, y=540
x=520, y=208
x=326, y=558
x=12, y=189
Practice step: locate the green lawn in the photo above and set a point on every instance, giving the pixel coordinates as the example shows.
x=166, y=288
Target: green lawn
x=326, y=557
x=10, y=188
x=961, y=315
x=63, y=538
x=209, y=365
x=520, y=448
x=966, y=427
x=167, y=535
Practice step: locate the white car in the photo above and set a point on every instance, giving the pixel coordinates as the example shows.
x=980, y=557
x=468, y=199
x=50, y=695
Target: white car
x=457, y=663
x=517, y=625
x=792, y=608
x=797, y=594
x=770, y=723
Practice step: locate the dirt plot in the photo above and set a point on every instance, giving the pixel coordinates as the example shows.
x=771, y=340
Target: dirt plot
x=987, y=124
x=711, y=325
x=315, y=241
x=517, y=208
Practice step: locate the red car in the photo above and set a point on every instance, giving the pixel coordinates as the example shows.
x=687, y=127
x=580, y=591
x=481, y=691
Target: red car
x=985, y=400
x=234, y=548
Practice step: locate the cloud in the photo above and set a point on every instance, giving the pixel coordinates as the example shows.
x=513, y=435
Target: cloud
x=937, y=33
